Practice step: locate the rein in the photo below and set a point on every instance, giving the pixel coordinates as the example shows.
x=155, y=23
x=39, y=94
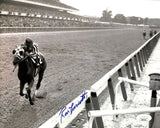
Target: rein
x=19, y=62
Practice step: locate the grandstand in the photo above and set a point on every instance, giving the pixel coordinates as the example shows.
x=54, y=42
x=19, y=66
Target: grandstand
x=45, y=15
x=40, y=13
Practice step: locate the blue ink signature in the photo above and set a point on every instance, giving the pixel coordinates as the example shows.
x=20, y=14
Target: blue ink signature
x=65, y=111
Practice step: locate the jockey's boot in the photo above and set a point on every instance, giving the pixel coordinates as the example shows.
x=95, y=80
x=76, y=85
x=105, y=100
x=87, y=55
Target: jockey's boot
x=38, y=61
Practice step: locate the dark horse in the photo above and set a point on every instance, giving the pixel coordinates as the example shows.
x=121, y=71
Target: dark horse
x=27, y=71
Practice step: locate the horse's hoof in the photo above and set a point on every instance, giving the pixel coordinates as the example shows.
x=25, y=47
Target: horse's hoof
x=26, y=96
x=21, y=94
x=31, y=103
x=33, y=97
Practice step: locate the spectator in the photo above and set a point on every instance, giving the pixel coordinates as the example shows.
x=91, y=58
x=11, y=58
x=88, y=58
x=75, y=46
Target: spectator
x=155, y=32
x=151, y=33
x=144, y=34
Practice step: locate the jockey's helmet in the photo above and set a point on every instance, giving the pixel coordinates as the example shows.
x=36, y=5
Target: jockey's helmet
x=29, y=44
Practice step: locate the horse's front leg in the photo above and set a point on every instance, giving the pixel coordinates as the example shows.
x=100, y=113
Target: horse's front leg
x=21, y=88
x=30, y=84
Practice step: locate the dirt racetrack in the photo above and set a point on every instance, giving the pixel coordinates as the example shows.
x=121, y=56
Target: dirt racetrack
x=76, y=60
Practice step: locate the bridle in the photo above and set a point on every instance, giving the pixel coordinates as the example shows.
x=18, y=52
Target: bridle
x=20, y=60
x=19, y=53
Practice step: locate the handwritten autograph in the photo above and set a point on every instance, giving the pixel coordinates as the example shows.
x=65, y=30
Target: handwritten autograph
x=65, y=111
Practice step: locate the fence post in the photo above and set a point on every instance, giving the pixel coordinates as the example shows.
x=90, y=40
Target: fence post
x=149, y=47
x=129, y=75
x=147, y=51
x=140, y=61
x=111, y=92
x=136, y=64
x=152, y=45
x=142, y=58
x=132, y=69
x=122, y=86
x=96, y=106
x=88, y=108
x=145, y=54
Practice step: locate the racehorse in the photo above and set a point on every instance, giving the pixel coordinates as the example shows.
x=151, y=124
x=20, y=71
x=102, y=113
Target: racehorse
x=27, y=71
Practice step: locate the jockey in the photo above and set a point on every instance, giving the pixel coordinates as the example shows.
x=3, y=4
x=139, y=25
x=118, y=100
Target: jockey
x=32, y=49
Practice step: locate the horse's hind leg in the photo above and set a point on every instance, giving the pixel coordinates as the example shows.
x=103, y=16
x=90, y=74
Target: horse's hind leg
x=40, y=74
x=39, y=81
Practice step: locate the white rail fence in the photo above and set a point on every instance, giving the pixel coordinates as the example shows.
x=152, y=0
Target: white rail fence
x=49, y=29
x=126, y=80
x=62, y=118
x=130, y=68
x=99, y=113
x=45, y=29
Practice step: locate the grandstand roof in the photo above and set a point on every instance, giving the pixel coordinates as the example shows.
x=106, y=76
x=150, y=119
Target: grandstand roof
x=56, y=4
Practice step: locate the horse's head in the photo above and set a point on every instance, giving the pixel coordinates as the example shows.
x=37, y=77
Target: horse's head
x=18, y=55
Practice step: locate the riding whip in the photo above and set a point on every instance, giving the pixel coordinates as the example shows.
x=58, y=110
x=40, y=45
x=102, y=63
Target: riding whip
x=14, y=68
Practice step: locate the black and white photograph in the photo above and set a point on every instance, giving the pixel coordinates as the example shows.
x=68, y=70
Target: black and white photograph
x=79, y=63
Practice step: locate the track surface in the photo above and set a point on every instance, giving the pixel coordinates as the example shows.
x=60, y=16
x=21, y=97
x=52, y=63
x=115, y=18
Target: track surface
x=76, y=60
